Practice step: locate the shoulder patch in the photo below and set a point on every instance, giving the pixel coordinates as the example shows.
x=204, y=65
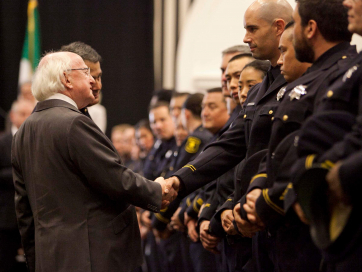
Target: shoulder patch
x=192, y=145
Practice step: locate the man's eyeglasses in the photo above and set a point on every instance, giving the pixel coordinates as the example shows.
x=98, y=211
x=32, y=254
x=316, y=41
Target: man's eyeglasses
x=86, y=70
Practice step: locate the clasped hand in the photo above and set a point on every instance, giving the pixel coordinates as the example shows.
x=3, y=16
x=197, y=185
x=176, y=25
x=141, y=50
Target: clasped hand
x=169, y=190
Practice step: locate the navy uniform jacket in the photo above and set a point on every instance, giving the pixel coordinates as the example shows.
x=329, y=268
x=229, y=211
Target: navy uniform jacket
x=189, y=149
x=250, y=129
x=343, y=96
x=158, y=158
x=297, y=104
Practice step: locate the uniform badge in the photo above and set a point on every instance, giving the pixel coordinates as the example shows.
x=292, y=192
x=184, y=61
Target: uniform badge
x=349, y=73
x=175, y=154
x=297, y=92
x=281, y=93
x=157, y=144
x=192, y=145
x=168, y=154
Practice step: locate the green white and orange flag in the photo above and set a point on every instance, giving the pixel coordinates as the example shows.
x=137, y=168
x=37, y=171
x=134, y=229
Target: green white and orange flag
x=31, y=49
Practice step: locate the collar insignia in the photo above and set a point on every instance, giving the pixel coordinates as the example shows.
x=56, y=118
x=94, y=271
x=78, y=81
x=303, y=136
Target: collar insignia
x=281, y=93
x=297, y=92
x=349, y=73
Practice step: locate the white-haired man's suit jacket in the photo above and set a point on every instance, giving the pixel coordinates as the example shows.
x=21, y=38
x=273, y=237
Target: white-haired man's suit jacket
x=73, y=195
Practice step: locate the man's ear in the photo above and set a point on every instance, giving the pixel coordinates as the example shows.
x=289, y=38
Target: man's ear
x=187, y=114
x=311, y=29
x=279, y=25
x=65, y=79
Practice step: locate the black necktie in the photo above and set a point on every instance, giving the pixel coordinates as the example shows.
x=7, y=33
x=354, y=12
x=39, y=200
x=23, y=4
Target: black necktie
x=85, y=112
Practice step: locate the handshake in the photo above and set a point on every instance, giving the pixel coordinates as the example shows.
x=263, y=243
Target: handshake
x=170, y=187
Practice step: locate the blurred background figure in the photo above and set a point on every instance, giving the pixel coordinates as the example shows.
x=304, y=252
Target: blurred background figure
x=10, y=244
x=123, y=139
x=25, y=92
x=176, y=102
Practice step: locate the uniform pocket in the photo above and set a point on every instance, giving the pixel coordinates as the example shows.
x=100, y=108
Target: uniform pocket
x=122, y=220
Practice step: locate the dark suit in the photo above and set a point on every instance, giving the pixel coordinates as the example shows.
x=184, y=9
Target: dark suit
x=9, y=233
x=73, y=194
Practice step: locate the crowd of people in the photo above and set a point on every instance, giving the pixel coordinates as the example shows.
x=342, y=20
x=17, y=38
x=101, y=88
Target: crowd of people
x=265, y=167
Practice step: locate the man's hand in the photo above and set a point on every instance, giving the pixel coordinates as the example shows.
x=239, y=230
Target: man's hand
x=175, y=223
x=298, y=210
x=227, y=219
x=145, y=219
x=334, y=184
x=249, y=207
x=168, y=192
x=191, y=228
x=247, y=229
x=173, y=182
x=209, y=242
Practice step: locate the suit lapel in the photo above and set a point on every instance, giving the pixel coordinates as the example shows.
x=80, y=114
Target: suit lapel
x=276, y=85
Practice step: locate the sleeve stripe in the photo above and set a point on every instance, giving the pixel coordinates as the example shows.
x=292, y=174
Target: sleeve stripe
x=193, y=168
x=309, y=161
x=161, y=218
x=258, y=176
x=270, y=203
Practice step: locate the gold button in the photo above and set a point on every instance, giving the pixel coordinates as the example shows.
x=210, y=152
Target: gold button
x=330, y=94
x=244, y=115
x=85, y=110
x=285, y=117
x=171, y=168
x=270, y=112
x=344, y=57
x=272, y=118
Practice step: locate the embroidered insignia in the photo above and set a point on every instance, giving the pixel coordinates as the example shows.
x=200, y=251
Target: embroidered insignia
x=349, y=73
x=157, y=144
x=192, y=145
x=281, y=93
x=297, y=92
x=168, y=154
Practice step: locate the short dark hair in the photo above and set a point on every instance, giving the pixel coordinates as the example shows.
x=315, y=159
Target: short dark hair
x=214, y=90
x=159, y=104
x=330, y=15
x=84, y=50
x=239, y=56
x=260, y=65
x=143, y=123
x=193, y=104
x=179, y=94
x=289, y=25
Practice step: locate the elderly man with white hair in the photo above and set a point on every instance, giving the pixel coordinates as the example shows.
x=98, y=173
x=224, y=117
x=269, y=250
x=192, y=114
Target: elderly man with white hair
x=73, y=194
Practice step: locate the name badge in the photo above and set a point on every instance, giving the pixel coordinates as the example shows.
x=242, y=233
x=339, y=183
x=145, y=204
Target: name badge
x=349, y=73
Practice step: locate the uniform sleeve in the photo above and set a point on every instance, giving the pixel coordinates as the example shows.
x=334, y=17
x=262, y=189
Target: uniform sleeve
x=24, y=213
x=217, y=158
x=97, y=160
x=350, y=174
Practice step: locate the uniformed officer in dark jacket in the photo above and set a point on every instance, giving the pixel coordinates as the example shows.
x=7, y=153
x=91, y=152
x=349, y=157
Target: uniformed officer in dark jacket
x=335, y=114
x=297, y=103
x=163, y=127
x=250, y=132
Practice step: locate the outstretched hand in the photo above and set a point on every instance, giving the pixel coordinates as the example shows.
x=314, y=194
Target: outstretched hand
x=168, y=192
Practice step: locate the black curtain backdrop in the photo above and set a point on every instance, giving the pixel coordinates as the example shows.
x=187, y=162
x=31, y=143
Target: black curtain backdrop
x=121, y=31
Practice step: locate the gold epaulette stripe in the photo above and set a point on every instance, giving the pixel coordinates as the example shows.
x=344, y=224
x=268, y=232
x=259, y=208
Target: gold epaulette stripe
x=197, y=202
x=207, y=205
x=161, y=218
x=309, y=161
x=258, y=176
x=271, y=204
x=188, y=202
x=229, y=199
x=190, y=166
x=290, y=186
